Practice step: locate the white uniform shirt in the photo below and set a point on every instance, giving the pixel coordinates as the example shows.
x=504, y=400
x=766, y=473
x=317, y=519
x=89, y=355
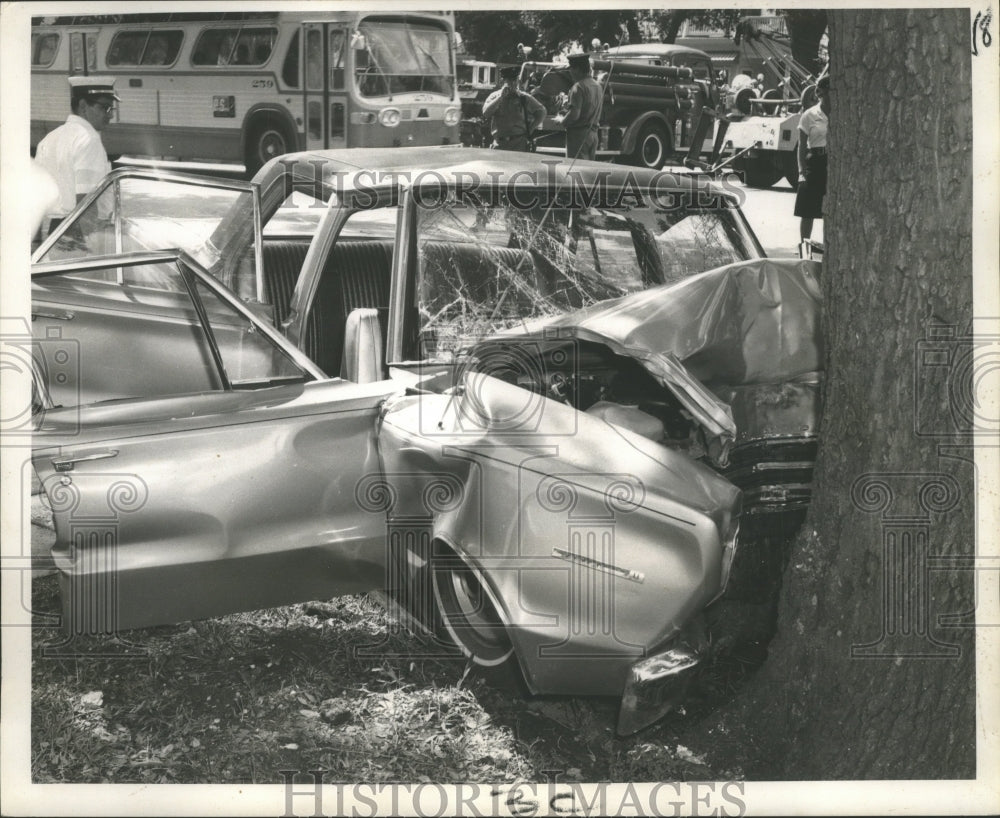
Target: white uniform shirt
x=74, y=154
x=813, y=123
x=43, y=195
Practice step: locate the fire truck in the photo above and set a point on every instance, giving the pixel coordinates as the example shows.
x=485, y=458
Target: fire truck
x=654, y=95
x=477, y=79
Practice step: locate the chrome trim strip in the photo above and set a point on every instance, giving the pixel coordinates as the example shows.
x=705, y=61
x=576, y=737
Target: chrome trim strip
x=589, y=562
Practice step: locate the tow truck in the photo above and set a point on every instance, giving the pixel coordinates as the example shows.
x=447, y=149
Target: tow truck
x=761, y=128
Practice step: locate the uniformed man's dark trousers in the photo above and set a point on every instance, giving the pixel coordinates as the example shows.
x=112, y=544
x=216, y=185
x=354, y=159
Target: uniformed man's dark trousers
x=581, y=143
x=510, y=143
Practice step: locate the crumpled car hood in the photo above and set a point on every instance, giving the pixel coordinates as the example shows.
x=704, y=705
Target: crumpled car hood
x=751, y=322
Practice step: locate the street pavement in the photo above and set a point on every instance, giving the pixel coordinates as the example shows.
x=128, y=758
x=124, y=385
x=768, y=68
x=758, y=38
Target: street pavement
x=770, y=213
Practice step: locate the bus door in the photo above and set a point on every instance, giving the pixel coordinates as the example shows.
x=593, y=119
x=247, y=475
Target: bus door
x=324, y=85
x=83, y=51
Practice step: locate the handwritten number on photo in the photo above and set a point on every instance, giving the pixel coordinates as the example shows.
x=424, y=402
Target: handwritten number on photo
x=981, y=31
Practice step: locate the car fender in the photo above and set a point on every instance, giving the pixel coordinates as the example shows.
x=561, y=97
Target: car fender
x=578, y=545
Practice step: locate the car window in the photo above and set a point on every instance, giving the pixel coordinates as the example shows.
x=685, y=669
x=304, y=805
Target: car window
x=100, y=336
x=486, y=268
x=298, y=215
x=134, y=214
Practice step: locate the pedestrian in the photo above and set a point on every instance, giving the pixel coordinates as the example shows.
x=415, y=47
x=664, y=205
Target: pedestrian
x=583, y=116
x=812, y=160
x=513, y=115
x=73, y=153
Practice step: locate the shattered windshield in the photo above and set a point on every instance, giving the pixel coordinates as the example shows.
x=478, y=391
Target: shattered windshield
x=403, y=57
x=484, y=268
x=134, y=213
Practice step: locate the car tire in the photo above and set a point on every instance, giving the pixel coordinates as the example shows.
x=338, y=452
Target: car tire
x=264, y=142
x=651, y=147
x=468, y=615
x=760, y=173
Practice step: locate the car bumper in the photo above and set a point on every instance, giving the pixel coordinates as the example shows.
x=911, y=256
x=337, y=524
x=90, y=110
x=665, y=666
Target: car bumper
x=656, y=683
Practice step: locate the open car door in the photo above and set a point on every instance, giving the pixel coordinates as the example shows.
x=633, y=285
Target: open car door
x=216, y=221
x=195, y=462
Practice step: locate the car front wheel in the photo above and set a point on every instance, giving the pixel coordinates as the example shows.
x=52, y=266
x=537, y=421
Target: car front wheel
x=468, y=614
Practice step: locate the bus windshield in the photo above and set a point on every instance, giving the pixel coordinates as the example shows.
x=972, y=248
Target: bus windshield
x=400, y=56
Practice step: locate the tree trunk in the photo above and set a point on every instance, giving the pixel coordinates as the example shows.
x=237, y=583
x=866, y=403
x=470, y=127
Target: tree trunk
x=670, y=24
x=634, y=34
x=872, y=671
x=805, y=28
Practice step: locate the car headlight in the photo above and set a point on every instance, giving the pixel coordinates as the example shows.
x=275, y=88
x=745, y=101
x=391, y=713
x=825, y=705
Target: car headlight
x=451, y=116
x=389, y=117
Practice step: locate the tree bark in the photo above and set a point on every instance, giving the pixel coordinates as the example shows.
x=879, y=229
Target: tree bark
x=864, y=679
x=670, y=23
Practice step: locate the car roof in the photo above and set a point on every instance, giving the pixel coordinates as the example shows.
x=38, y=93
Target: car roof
x=460, y=165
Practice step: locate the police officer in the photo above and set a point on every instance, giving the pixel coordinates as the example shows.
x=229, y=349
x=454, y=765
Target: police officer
x=811, y=155
x=73, y=153
x=583, y=116
x=513, y=114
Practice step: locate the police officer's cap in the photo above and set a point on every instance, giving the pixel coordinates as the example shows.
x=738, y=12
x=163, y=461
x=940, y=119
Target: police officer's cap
x=581, y=61
x=93, y=87
x=510, y=72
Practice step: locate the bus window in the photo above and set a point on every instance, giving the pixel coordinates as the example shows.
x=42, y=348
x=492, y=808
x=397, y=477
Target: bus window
x=81, y=43
x=254, y=46
x=314, y=59
x=401, y=56
x=144, y=48
x=290, y=70
x=162, y=48
x=43, y=49
x=337, y=37
x=234, y=46
x=126, y=47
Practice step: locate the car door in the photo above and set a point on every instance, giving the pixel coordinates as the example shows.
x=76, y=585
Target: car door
x=236, y=495
x=218, y=221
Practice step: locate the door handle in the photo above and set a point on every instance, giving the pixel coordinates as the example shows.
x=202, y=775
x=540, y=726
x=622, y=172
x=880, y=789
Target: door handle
x=67, y=462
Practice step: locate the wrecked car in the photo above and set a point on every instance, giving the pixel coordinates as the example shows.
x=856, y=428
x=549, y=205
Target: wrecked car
x=500, y=388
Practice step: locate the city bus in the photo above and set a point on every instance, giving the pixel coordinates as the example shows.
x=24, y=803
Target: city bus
x=245, y=87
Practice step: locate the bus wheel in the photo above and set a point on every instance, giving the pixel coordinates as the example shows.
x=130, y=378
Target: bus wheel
x=263, y=144
x=650, y=147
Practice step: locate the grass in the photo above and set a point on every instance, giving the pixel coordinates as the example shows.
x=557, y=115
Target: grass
x=240, y=698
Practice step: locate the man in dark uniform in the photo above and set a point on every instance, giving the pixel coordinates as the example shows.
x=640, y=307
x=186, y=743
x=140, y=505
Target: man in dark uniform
x=583, y=116
x=513, y=114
